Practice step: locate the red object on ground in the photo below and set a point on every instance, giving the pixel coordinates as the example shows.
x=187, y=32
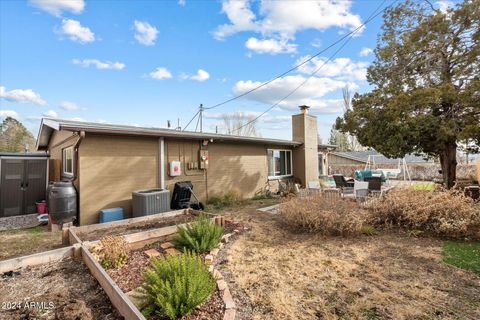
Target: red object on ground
x=41, y=207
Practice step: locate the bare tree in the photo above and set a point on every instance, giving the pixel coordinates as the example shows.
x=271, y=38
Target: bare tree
x=352, y=141
x=240, y=124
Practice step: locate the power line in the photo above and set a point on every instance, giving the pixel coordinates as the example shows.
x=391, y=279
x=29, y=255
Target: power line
x=298, y=65
x=370, y=18
x=191, y=120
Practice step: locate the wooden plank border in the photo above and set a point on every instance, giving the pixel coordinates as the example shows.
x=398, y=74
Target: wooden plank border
x=108, y=225
x=38, y=258
x=119, y=299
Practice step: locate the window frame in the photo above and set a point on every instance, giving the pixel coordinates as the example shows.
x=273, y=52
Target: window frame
x=64, y=162
x=276, y=177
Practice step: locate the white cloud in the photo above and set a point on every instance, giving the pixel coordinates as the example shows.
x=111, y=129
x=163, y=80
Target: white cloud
x=181, y=3
x=99, y=64
x=365, y=52
x=444, y=5
x=310, y=93
x=9, y=113
x=160, y=73
x=339, y=68
x=76, y=32
x=271, y=46
x=145, y=33
x=222, y=115
x=285, y=18
x=201, y=75
x=67, y=105
x=22, y=96
x=51, y=114
x=56, y=7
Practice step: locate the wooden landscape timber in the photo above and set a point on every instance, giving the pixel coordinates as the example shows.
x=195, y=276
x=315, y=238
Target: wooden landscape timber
x=38, y=258
x=119, y=299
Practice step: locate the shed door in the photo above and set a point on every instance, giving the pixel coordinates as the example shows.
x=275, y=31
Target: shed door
x=11, y=191
x=35, y=183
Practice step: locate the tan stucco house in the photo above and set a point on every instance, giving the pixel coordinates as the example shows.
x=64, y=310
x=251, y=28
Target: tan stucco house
x=107, y=162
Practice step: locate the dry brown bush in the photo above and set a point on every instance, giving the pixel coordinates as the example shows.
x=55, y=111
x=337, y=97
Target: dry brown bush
x=322, y=214
x=443, y=213
x=114, y=251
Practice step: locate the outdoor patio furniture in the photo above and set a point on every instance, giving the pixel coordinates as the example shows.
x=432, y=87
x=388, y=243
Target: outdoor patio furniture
x=360, y=190
x=374, y=183
x=342, y=183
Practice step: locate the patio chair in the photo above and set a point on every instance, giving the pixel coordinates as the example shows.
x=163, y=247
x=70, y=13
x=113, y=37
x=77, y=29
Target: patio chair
x=374, y=184
x=313, y=187
x=345, y=186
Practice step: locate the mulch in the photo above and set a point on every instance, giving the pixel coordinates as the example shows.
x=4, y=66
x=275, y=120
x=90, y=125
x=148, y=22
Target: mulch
x=66, y=289
x=130, y=276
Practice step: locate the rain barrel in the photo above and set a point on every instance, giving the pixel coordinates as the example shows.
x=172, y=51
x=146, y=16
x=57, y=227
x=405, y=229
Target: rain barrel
x=62, y=202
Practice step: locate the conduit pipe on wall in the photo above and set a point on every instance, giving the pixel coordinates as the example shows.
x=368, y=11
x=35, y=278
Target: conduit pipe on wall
x=161, y=157
x=81, y=135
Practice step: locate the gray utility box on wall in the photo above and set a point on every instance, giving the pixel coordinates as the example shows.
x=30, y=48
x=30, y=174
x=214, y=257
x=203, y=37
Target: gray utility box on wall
x=150, y=201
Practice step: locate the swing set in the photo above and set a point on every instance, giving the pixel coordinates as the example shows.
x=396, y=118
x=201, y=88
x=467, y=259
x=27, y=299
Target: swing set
x=389, y=173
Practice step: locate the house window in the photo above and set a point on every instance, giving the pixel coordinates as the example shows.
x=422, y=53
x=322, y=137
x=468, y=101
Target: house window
x=67, y=161
x=279, y=163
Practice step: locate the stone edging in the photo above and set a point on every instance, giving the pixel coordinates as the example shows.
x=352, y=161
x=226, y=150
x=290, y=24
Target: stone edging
x=230, y=308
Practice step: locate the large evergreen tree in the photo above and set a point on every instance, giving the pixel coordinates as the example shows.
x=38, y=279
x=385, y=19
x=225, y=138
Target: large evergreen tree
x=14, y=137
x=426, y=84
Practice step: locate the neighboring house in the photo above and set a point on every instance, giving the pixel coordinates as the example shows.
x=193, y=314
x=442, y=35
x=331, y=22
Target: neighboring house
x=107, y=162
x=361, y=158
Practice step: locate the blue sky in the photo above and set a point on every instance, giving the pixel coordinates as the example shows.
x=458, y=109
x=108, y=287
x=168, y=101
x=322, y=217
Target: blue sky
x=146, y=62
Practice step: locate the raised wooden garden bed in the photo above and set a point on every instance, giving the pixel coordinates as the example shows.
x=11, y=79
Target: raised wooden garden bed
x=219, y=306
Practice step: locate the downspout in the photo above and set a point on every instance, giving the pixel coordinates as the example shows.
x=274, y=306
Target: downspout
x=81, y=135
x=161, y=162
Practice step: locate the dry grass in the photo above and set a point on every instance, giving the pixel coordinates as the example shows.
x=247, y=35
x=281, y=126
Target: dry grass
x=324, y=215
x=289, y=275
x=444, y=213
x=14, y=243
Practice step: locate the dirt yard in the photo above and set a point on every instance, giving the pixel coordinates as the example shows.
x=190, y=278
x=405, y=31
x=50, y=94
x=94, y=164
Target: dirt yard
x=58, y=290
x=285, y=275
x=14, y=243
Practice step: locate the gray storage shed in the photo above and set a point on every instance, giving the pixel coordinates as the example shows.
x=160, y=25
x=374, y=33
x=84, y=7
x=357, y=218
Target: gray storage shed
x=23, y=181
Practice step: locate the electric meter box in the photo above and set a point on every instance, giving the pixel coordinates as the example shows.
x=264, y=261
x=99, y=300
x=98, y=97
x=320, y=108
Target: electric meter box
x=175, y=169
x=203, y=159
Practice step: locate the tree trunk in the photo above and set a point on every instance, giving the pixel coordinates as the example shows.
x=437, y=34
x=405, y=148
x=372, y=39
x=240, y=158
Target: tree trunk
x=448, y=161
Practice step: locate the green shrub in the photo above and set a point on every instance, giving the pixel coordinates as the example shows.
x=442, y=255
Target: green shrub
x=201, y=235
x=175, y=285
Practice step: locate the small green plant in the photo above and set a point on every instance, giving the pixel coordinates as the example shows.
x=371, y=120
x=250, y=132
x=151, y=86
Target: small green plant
x=201, y=235
x=176, y=284
x=114, y=252
x=368, y=230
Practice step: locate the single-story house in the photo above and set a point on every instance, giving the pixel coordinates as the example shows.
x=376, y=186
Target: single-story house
x=108, y=162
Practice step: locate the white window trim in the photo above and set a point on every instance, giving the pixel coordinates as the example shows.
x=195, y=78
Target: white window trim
x=291, y=165
x=64, y=160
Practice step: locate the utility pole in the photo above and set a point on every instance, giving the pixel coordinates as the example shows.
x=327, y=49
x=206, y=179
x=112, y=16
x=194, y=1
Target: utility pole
x=201, y=117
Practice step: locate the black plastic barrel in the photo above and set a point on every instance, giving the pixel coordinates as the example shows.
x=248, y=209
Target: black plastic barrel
x=62, y=202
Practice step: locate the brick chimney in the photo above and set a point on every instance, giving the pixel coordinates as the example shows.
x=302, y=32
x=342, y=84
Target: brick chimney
x=305, y=157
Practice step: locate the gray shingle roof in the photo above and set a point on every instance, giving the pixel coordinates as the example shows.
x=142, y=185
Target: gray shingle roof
x=379, y=158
